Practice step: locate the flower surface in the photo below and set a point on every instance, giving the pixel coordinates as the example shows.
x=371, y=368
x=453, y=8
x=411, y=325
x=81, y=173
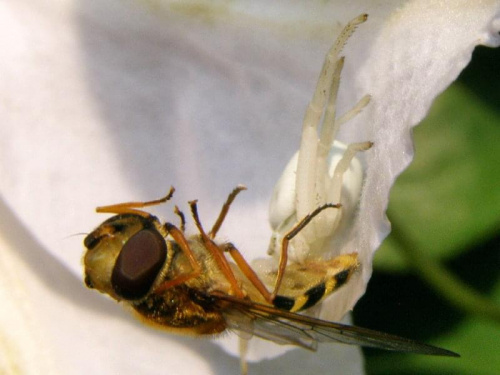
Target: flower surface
x=104, y=102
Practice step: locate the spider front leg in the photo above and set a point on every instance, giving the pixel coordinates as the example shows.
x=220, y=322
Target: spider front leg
x=326, y=89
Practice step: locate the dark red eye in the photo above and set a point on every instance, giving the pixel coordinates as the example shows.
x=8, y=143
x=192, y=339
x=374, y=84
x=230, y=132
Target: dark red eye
x=138, y=264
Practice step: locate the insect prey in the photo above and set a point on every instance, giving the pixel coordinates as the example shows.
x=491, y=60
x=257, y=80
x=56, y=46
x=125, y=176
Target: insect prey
x=186, y=284
x=196, y=285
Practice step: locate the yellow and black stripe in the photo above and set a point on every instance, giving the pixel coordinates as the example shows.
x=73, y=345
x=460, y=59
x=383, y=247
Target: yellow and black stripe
x=315, y=294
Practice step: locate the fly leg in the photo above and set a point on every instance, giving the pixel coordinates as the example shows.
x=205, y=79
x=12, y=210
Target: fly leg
x=133, y=207
x=216, y=252
x=291, y=234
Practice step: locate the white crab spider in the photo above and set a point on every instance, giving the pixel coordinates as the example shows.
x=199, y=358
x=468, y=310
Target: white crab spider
x=323, y=170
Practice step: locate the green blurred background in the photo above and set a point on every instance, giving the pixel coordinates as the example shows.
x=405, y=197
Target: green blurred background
x=437, y=276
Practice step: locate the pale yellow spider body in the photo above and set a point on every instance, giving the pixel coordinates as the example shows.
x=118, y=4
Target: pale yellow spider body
x=323, y=170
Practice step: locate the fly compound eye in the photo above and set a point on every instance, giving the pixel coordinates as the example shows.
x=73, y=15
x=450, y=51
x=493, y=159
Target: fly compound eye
x=138, y=264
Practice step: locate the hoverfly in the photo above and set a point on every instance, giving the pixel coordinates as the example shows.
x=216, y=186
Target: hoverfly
x=185, y=284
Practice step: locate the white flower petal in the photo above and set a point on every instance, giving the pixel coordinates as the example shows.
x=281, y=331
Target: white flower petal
x=418, y=51
x=104, y=102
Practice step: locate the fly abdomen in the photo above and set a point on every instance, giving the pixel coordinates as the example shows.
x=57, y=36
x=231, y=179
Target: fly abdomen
x=318, y=292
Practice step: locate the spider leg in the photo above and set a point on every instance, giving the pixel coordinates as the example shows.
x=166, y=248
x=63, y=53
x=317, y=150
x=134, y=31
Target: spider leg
x=329, y=127
x=350, y=114
x=311, y=176
x=335, y=187
x=327, y=135
x=307, y=162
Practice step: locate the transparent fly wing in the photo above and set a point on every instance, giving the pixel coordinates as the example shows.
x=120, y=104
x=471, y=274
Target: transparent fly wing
x=241, y=324
x=283, y=327
x=267, y=328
